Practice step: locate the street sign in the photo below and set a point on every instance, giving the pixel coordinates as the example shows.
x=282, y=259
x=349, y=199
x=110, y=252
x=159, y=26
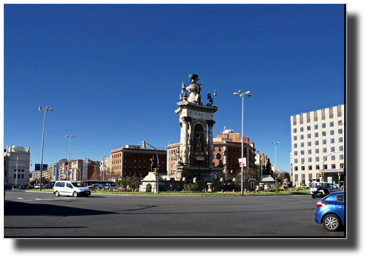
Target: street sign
x=242, y=161
x=158, y=166
x=37, y=166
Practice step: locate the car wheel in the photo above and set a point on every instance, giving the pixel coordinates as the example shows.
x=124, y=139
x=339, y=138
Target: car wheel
x=57, y=194
x=314, y=195
x=331, y=222
x=75, y=194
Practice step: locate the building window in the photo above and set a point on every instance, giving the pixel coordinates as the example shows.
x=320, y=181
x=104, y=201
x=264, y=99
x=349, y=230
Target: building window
x=333, y=166
x=317, y=151
x=341, y=148
x=310, y=159
x=309, y=136
x=340, y=131
x=324, y=133
x=323, y=125
x=295, y=168
x=331, y=124
x=309, y=151
x=308, y=128
x=296, y=161
x=341, y=157
x=295, y=138
x=302, y=168
x=301, y=144
x=341, y=165
x=323, y=141
x=316, y=134
x=317, y=159
x=340, y=139
x=309, y=143
x=333, y=157
x=302, y=160
x=309, y=167
x=325, y=166
x=325, y=150
x=316, y=142
x=295, y=130
x=295, y=146
x=317, y=167
x=332, y=140
x=295, y=153
x=301, y=129
x=340, y=122
x=316, y=127
x=302, y=137
x=302, y=152
x=331, y=132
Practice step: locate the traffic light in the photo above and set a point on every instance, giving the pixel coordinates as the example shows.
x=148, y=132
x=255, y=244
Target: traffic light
x=143, y=144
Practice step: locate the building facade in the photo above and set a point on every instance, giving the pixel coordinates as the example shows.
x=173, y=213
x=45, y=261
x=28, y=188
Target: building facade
x=227, y=151
x=318, y=145
x=17, y=165
x=131, y=161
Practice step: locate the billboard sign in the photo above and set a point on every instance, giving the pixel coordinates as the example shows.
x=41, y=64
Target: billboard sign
x=37, y=167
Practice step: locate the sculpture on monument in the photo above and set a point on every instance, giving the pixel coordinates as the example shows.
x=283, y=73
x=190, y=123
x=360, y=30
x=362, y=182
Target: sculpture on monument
x=152, y=163
x=194, y=89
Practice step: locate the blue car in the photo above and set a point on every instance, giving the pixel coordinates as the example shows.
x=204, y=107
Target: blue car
x=330, y=211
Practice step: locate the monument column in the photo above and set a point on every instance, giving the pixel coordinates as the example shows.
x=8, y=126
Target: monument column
x=211, y=142
x=184, y=138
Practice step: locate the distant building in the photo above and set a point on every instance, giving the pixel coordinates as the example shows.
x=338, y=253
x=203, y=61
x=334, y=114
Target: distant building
x=131, y=161
x=318, y=145
x=227, y=151
x=17, y=165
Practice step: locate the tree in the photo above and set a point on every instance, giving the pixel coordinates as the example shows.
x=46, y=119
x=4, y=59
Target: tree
x=96, y=174
x=283, y=175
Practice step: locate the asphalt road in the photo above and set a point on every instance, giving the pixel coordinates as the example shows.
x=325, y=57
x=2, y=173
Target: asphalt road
x=34, y=214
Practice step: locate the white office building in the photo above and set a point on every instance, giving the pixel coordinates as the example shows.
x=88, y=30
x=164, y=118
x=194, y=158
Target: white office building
x=318, y=146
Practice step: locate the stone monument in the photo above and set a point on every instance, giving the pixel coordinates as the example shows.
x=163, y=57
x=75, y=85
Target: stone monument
x=195, y=155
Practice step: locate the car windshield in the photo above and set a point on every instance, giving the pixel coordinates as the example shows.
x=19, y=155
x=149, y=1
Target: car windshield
x=77, y=184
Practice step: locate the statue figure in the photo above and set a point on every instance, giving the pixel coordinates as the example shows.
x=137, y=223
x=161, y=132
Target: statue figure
x=194, y=89
x=152, y=163
x=199, y=145
x=210, y=98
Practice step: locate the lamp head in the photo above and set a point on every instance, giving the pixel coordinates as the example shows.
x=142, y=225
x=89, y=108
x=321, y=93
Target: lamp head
x=248, y=93
x=40, y=108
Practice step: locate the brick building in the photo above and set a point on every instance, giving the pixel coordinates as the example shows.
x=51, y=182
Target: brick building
x=227, y=151
x=131, y=161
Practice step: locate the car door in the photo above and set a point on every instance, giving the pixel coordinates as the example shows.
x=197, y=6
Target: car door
x=340, y=206
x=69, y=188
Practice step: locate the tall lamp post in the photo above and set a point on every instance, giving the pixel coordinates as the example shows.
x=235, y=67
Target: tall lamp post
x=275, y=143
x=68, y=162
x=248, y=93
x=42, y=143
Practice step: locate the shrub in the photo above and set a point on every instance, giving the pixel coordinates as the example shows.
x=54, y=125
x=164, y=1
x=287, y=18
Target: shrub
x=190, y=187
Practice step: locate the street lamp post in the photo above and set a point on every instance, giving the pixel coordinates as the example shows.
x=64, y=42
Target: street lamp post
x=68, y=162
x=42, y=143
x=275, y=143
x=248, y=93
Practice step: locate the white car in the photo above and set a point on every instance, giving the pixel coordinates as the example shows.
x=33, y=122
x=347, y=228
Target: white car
x=110, y=187
x=70, y=188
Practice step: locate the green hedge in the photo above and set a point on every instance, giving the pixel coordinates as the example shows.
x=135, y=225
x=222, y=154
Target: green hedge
x=190, y=187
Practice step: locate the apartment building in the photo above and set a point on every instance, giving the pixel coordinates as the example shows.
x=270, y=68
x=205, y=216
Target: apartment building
x=318, y=145
x=131, y=161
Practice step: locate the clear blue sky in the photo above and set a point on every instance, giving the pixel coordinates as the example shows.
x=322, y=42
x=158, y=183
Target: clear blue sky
x=113, y=73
